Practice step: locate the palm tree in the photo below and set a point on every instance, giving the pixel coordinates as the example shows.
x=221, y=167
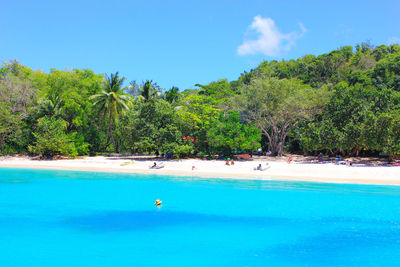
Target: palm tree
x=52, y=106
x=172, y=95
x=111, y=102
x=149, y=91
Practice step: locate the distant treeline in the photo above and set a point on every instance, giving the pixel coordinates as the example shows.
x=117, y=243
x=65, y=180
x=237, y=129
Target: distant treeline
x=348, y=99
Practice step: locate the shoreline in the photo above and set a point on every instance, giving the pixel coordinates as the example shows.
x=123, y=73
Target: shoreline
x=243, y=170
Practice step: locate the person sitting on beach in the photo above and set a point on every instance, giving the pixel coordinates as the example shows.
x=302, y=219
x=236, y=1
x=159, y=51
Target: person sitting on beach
x=259, y=167
x=320, y=157
x=193, y=167
x=227, y=162
x=232, y=162
x=348, y=162
x=289, y=160
x=337, y=159
x=154, y=165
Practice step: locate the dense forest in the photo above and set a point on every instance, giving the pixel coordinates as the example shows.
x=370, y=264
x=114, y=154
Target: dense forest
x=348, y=99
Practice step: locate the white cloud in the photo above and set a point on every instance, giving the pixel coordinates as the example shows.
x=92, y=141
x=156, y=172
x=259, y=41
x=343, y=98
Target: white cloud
x=270, y=41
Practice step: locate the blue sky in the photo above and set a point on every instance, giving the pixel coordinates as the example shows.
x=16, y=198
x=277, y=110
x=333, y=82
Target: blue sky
x=182, y=43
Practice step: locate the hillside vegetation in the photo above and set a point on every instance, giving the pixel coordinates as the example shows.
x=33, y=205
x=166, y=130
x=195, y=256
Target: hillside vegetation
x=348, y=99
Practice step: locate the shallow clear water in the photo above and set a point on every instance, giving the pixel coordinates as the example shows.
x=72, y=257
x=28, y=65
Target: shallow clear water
x=65, y=218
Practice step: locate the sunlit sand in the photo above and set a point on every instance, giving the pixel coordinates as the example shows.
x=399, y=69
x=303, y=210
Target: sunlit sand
x=327, y=172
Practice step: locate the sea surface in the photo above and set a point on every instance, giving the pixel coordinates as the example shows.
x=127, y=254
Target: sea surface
x=70, y=218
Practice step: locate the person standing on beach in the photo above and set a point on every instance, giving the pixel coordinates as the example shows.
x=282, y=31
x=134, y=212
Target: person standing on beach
x=259, y=151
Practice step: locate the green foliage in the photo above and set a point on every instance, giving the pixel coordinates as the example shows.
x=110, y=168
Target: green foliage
x=181, y=150
x=51, y=139
x=228, y=133
x=148, y=91
x=218, y=89
x=387, y=73
x=172, y=95
x=196, y=115
x=355, y=118
x=82, y=147
x=150, y=126
x=111, y=102
x=15, y=69
x=17, y=98
x=277, y=106
x=342, y=99
x=388, y=132
x=65, y=95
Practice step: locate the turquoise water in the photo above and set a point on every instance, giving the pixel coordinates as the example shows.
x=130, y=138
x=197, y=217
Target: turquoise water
x=66, y=218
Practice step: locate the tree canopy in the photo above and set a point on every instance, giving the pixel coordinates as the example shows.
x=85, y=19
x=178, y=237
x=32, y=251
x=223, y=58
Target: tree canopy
x=346, y=99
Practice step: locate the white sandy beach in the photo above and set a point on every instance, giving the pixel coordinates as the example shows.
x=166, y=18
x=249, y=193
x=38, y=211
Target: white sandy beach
x=328, y=172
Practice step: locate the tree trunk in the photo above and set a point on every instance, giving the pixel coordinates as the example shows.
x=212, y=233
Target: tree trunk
x=110, y=129
x=272, y=142
x=276, y=144
x=1, y=144
x=276, y=135
x=3, y=139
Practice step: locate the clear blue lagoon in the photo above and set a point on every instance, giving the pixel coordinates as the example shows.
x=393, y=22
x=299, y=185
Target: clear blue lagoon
x=67, y=218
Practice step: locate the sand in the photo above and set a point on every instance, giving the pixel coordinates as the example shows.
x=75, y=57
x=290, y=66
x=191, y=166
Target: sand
x=279, y=170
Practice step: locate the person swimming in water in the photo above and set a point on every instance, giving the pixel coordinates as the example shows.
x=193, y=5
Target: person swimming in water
x=158, y=202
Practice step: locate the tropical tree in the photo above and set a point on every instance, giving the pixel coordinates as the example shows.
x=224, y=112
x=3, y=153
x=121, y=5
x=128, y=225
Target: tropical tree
x=111, y=102
x=17, y=97
x=148, y=91
x=172, y=95
x=51, y=106
x=51, y=138
x=196, y=115
x=228, y=133
x=277, y=106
